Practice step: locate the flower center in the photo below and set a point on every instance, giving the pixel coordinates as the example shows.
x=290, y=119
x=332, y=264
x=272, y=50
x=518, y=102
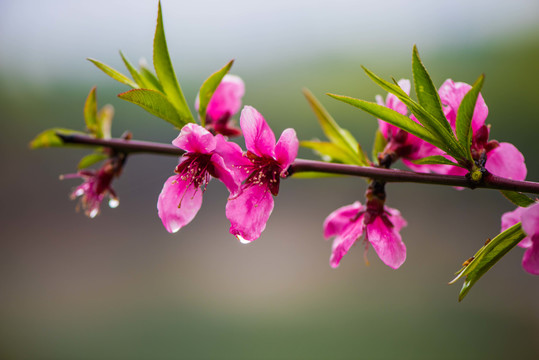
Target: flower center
x=263, y=171
x=196, y=168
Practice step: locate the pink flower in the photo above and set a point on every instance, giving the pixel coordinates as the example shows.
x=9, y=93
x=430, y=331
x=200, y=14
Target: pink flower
x=96, y=185
x=501, y=159
x=181, y=196
x=225, y=103
x=262, y=167
x=379, y=225
x=529, y=217
x=400, y=143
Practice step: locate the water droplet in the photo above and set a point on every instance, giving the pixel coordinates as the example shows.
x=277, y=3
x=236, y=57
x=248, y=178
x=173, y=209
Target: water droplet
x=79, y=192
x=94, y=213
x=242, y=240
x=113, y=203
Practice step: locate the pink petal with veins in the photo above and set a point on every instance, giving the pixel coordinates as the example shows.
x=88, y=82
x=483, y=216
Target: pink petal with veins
x=387, y=243
x=178, y=203
x=194, y=138
x=506, y=161
x=286, y=148
x=339, y=219
x=249, y=212
x=259, y=138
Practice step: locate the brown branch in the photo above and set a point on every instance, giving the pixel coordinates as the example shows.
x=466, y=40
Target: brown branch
x=301, y=165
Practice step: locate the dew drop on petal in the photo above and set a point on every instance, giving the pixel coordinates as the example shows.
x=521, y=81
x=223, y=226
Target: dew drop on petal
x=79, y=192
x=242, y=240
x=93, y=213
x=113, y=203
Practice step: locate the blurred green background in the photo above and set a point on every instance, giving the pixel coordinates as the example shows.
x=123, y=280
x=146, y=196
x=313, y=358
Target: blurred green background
x=120, y=287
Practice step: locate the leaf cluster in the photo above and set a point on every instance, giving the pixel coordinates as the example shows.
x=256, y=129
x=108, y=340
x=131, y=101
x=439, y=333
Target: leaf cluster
x=98, y=125
x=160, y=94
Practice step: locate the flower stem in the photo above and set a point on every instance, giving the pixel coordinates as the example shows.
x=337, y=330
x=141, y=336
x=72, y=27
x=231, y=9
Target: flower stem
x=301, y=165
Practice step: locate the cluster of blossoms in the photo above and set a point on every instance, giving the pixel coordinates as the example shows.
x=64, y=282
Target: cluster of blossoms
x=252, y=178
x=379, y=224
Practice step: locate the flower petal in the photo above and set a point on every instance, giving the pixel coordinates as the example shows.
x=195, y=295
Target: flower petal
x=226, y=100
x=387, y=243
x=511, y=218
x=225, y=175
x=343, y=242
x=506, y=161
x=259, y=138
x=178, y=203
x=396, y=218
x=194, y=138
x=530, y=261
x=451, y=94
x=338, y=220
x=286, y=149
x=530, y=220
x=232, y=155
x=249, y=212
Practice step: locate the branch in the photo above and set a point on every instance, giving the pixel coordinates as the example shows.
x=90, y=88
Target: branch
x=301, y=165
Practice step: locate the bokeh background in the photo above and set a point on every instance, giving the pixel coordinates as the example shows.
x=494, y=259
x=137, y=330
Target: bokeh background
x=120, y=287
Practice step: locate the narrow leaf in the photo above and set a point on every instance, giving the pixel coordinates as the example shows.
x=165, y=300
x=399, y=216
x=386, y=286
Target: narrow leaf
x=465, y=115
x=90, y=113
x=155, y=103
x=115, y=74
x=165, y=72
x=134, y=73
x=392, y=117
x=487, y=256
x=380, y=143
x=48, y=138
x=331, y=152
x=426, y=92
x=337, y=135
x=208, y=88
x=104, y=120
x=91, y=159
x=445, y=139
x=517, y=198
x=436, y=159
x=150, y=79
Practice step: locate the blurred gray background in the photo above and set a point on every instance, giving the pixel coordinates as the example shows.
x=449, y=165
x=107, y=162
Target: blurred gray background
x=121, y=287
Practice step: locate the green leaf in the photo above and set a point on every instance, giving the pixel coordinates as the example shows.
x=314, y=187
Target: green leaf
x=115, y=74
x=104, y=120
x=392, y=117
x=150, y=79
x=90, y=113
x=331, y=152
x=48, y=138
x=134, y=73
x=380, y=143
x=487, y=256
x=155, y=103
x=165, y=72
x=517, y=198
x=436, y=159
x=91, y=159
x=337, y=135
x=208, y=88
x=445, y=139
x=465, y=115
x=426, y=92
